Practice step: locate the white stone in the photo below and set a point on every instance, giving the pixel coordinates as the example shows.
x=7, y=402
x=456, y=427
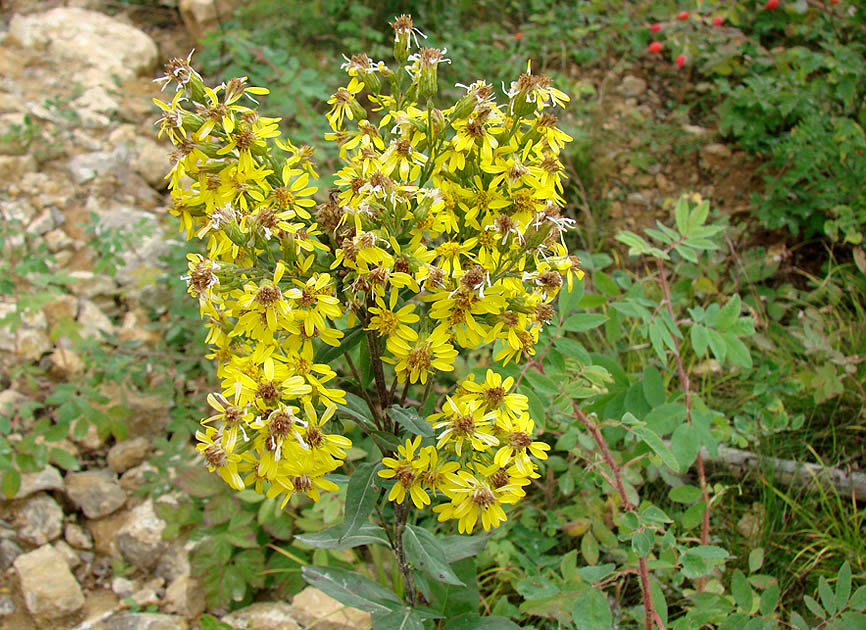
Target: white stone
x=49, y=588
x=140, y=539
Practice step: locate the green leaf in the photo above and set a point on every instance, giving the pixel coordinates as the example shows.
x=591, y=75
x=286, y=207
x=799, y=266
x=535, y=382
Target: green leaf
x=814, y=607
x=402, y=618
x=756, y=559
x=685, y=445
x=698, y=216
x=460, y=547
x=681, y=215
x=798, y=622
x=700, y=339
x=589, y=548
x=655, y=443
x=361, y=496
x=853, y=620
x=473, y=621
x=336, y=538
x=327, y=353
x=684, y=494
x=568, y=300
x=581, y=322
x=591, y=611
x=769, y=599
x=843, y=586
x=728, y=314
x=858, y=599
x=64, y=459
x=450, y=599
x=827, y=598
x=572, y=349
x=664, y=419
x=356, y=409
x=411, y=421
x=350, y=589
x=741, y=591
x=427, y=554
x=636, y=244
x=642, y=542
x=653, y=386
x=542, y=384
x=717, y=345
x=605, y=284
x=11, y=483
x=737, y=351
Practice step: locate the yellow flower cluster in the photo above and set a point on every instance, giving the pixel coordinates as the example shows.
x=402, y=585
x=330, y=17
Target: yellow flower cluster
x=443, y=234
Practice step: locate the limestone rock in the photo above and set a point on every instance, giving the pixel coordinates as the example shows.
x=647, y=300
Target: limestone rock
x=311, y=605
x=127, y=454
x=146, y=621
x=140, y=539
x=95, y=48
x=87, y=284
x=29, y=340
x=39, y=520
x=631, y=86
x=104, y=532
x=46, y=479
x=9, y=550
x=77, y=537
x=265, y=616
x=149, y=160
x=7, y=605
x=93, y=321
x=185, y=596
x=69, y=554
x=150, y=413
x=50, y=591
x=96, y=492
x=136, y=477
x=203, y=16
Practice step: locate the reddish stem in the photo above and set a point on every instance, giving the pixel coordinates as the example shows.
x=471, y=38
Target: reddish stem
x=650, y=615
x=684, y=381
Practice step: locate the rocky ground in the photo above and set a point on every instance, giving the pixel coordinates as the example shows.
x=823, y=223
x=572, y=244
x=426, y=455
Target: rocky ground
x=77, y=141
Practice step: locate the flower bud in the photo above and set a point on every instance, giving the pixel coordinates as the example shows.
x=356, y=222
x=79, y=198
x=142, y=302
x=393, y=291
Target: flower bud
x=403, y=27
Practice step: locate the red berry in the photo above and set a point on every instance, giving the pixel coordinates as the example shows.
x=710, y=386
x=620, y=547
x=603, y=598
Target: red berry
x=717, y=21
x=772, y=4
x=680, y=60
x=518, y=35
x=683, y=15
x=655, y=28
x=655, y=47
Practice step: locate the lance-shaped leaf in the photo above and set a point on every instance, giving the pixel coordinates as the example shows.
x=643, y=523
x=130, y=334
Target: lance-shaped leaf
x=460, y=547
x=351, y=589
x=427, y=554
x=411, y=421
x=472, y=621
x=356, y=409
x=327, y=353
x=361, y=496
x=336, y=537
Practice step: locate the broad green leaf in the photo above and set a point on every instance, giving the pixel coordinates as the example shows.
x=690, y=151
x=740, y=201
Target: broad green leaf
x=605, y=284
x=591, y=611
x=664, y=419
x=717, y=345
x=336, y=538
x=685, y=445
x=769, y=600
x=350, y=589
x=657, y=445
x=684, y=494
x=737, y=351
x=698, y=215
x=756, y=559
x=568, y=300
x=642, y=542
x=596, y=573
x=327, y=353
x=460, y=547
x=427, y=554
x=636, y=244
x=798, y=622
x=589, y=548
x=853, y=620
x=450, y=599
x=741, y=591
x=11, y=483
x=64, y=459
x=686, y=252
x=653, y=386
x=580, y=322
x=710, y=552
x=728, y=314
x=542, y=384
x=402, y=618
x=700, y=339
x=411, y=421
x=657, y=597
x=843, y=586
x=572, y=349
x=681, y=215
x=361, y=496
